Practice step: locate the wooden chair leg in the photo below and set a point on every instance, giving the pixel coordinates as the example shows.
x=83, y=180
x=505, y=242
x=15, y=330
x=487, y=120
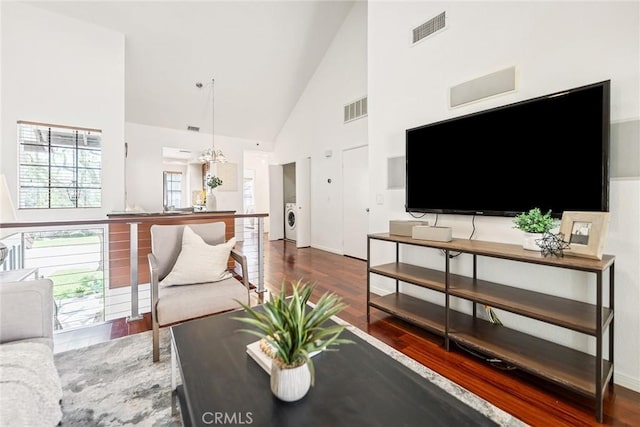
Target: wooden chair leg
x=156, y=342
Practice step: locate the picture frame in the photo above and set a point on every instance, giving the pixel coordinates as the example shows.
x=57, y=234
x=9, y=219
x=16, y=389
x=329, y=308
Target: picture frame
x=585, y=232
x=228, y=172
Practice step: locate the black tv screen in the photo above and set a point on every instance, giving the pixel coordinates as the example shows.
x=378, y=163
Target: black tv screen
x=550, y=152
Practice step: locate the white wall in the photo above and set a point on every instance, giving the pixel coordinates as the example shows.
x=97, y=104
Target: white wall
x=59, y=70
x=555, y=46
x=145, y=164
x=316, y=124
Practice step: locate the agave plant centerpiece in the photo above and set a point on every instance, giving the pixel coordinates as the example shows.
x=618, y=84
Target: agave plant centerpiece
x=295, y=331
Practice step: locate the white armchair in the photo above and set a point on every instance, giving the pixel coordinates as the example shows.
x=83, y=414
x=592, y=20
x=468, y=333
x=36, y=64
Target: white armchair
x=174, y=304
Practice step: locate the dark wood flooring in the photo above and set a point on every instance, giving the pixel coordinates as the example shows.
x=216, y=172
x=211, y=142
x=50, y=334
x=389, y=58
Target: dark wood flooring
x=534, y=401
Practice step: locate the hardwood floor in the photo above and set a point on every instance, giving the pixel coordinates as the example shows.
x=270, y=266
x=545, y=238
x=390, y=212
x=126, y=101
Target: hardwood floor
x=534, y=401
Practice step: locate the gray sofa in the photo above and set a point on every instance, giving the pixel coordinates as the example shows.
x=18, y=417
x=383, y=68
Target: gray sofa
x=30, y=389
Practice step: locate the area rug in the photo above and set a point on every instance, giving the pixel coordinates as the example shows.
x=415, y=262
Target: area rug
x=116, y=383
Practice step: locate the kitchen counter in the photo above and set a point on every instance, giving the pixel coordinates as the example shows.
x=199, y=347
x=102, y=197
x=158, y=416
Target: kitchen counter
x=120, y=214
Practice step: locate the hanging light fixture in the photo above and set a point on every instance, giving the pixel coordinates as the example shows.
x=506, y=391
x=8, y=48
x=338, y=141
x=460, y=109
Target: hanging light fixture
x=211, y=154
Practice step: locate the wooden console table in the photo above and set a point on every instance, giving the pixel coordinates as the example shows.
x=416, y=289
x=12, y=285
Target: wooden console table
x=575, y=370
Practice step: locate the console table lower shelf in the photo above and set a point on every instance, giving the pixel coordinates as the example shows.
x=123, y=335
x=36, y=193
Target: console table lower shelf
x=562, y=365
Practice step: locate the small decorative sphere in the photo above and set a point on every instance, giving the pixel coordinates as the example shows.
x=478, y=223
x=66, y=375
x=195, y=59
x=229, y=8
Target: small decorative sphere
x=553, y=244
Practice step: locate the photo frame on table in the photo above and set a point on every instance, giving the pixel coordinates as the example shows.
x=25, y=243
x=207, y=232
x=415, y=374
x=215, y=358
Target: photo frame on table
x=585, y=232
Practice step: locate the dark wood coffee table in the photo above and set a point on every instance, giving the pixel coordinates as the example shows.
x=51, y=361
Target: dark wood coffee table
x=358, y=385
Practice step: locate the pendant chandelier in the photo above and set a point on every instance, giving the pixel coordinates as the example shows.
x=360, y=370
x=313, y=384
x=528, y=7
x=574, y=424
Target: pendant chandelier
x=212, y=154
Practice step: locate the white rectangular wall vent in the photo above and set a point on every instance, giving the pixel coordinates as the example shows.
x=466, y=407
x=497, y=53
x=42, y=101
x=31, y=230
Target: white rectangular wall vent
x=431, y=26
x=355, y=110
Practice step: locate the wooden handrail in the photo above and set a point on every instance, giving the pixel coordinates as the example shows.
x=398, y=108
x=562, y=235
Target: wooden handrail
x=128, y=217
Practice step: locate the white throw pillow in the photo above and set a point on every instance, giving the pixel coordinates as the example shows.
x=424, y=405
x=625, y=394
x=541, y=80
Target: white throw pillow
x=199, y=262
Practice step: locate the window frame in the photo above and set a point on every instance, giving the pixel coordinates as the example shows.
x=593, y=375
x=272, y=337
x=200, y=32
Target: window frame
x=49, y=147
x=165, y=190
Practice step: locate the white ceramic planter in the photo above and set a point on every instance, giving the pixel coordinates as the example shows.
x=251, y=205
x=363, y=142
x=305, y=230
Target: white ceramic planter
x=290, y=384
x=529, y=242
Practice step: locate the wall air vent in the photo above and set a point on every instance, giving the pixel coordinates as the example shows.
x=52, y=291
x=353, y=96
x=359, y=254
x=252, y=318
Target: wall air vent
x=431, y=26
x=193, y=128
x=357, y=109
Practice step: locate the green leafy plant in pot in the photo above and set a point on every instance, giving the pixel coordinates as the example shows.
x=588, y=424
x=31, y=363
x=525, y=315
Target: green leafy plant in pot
x=534, y=224
x=213, y=181
x=294, y=332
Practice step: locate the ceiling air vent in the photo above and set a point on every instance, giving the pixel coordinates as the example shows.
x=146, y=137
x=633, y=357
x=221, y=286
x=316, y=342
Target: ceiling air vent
x=193, y=128
x=355, y=110
x=431, y=26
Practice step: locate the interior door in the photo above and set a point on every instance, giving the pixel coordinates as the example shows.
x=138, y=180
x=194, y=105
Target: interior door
x=276, y=202
x=355, y=223
x=303, y=202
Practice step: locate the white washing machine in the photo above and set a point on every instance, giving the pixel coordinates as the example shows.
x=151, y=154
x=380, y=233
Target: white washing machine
x=290, y=221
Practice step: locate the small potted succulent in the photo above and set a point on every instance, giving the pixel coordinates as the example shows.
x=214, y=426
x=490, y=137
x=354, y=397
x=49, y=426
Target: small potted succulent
x=294, y=332
x=534, y=224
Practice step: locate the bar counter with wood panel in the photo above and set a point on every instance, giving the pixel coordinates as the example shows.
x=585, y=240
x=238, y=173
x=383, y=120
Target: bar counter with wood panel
x=120, y=241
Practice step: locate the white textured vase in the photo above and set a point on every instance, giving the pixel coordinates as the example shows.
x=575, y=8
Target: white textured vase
x=290, y=384
x=529, y=242
x=211, y=201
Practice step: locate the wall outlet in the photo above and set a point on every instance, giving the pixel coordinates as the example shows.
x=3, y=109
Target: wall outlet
x=379, y=199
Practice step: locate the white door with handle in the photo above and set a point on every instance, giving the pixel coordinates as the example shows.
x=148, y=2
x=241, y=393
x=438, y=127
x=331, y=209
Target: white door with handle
x=303, y=203
x=355, y=222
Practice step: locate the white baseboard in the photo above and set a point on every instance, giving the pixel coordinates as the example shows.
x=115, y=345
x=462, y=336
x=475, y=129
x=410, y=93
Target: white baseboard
x=324, y=248
x=627, y=381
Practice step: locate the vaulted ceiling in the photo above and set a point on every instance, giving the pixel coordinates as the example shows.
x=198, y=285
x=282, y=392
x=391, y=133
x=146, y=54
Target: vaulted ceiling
x=260, y=53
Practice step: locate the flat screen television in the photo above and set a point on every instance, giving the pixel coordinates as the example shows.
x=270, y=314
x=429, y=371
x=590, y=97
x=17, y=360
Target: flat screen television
x=550, y=152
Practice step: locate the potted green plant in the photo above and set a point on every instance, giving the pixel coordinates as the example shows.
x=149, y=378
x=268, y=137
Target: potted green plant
x=534, y=224
x=212, y=182
x=294, y=331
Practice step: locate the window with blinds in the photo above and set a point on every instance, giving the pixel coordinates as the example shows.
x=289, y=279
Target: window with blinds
x=172, y=189
x=60, y=166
